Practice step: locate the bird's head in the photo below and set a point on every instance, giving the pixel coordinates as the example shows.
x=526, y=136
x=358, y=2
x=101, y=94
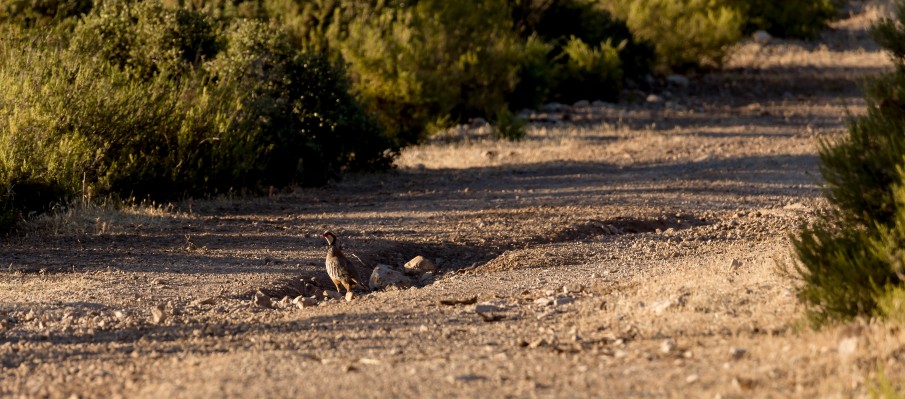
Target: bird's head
x=331, y=238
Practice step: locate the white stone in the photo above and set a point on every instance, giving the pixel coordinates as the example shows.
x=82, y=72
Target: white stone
x=848, y=346
x=385, y=276
x=668, y=345
x=654, y=99
x=762, y=37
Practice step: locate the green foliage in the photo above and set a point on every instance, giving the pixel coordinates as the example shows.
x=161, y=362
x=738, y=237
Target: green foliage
x=560, y=21
x=508, y=126
x=148, y=38
x=42, y=13
x=173, y=105
x=589, y=72
x=450, y=58
x=891, y=304
x=686, y=33
x=880, y=387
x=803, y=19
x=852, y=260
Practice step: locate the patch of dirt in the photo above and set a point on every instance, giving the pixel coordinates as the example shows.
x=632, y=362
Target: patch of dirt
x=631, y=251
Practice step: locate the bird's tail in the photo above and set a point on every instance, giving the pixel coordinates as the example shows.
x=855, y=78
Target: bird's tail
x=358, y=279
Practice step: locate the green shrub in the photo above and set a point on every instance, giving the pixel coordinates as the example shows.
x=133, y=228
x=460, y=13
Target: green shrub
x=802, y=19
x=589, y=73
x=686, y=33
x=147, y=37
x=559, y=21
x=450, y=59
x=854, y=256
x=148, y=116
x=42, y=13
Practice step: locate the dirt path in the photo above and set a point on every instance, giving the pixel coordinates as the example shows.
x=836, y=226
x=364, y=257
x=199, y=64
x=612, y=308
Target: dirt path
x=631, y=251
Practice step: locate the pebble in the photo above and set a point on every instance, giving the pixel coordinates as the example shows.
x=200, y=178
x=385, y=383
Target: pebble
x=420, y=264
x=331, y=294
x=543, y=301
x=677, y=81
x=261, y=300
x=737, y=353
x=654, y=99
x=762, y=37
x=459, y=301
x=563, y=300
x=848, y=346
x=303, y=302
x=159, y=314
x=668, y=345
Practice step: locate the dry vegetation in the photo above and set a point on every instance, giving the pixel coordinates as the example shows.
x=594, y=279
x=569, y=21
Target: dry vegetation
x=630, y=252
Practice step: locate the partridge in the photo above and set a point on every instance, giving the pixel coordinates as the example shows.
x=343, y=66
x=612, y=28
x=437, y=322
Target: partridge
x=339, y=268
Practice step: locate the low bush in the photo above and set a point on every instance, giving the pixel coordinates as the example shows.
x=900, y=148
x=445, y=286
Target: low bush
x=801, y=19
x=43, y=13
x=685, y=33
x=852, y=259
x=173, y=105
x=450, y=60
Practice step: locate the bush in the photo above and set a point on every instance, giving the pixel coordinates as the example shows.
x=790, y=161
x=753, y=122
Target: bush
x=802, y=19
x=147, y=116
x=42, y=13
x=686, y=33
x=854, y=256
x=451, y=60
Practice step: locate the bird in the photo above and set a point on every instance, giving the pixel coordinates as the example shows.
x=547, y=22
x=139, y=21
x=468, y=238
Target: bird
x=339, y=268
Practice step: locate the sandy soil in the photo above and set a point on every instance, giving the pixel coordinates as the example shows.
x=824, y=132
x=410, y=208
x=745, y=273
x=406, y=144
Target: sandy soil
x=629, y=251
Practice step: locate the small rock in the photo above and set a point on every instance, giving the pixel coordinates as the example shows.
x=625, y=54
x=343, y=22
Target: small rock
x=385, y=276
x=691, y=379
x=426, y=278
x=554, y=107
x=737, y=353
x=486, y=308
x=477, y=122
x=349, y=296
x=119, y=314
x=207, y=301
x=331, y=294
x=487, y=312
x=661, y=306
x=420, y=264
x=848, y=346
x=303, y=302
x=762, y=37
x=283, y=303
x=668, y=345
x=159, y=314
x=677, y=81
x=563, y=300
x=543, y=301
x=734, y=265
x=459, y=301
x=261, y=300
x=654, y=99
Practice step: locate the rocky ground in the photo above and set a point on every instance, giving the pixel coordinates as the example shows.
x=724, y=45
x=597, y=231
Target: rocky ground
x=630, y=250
